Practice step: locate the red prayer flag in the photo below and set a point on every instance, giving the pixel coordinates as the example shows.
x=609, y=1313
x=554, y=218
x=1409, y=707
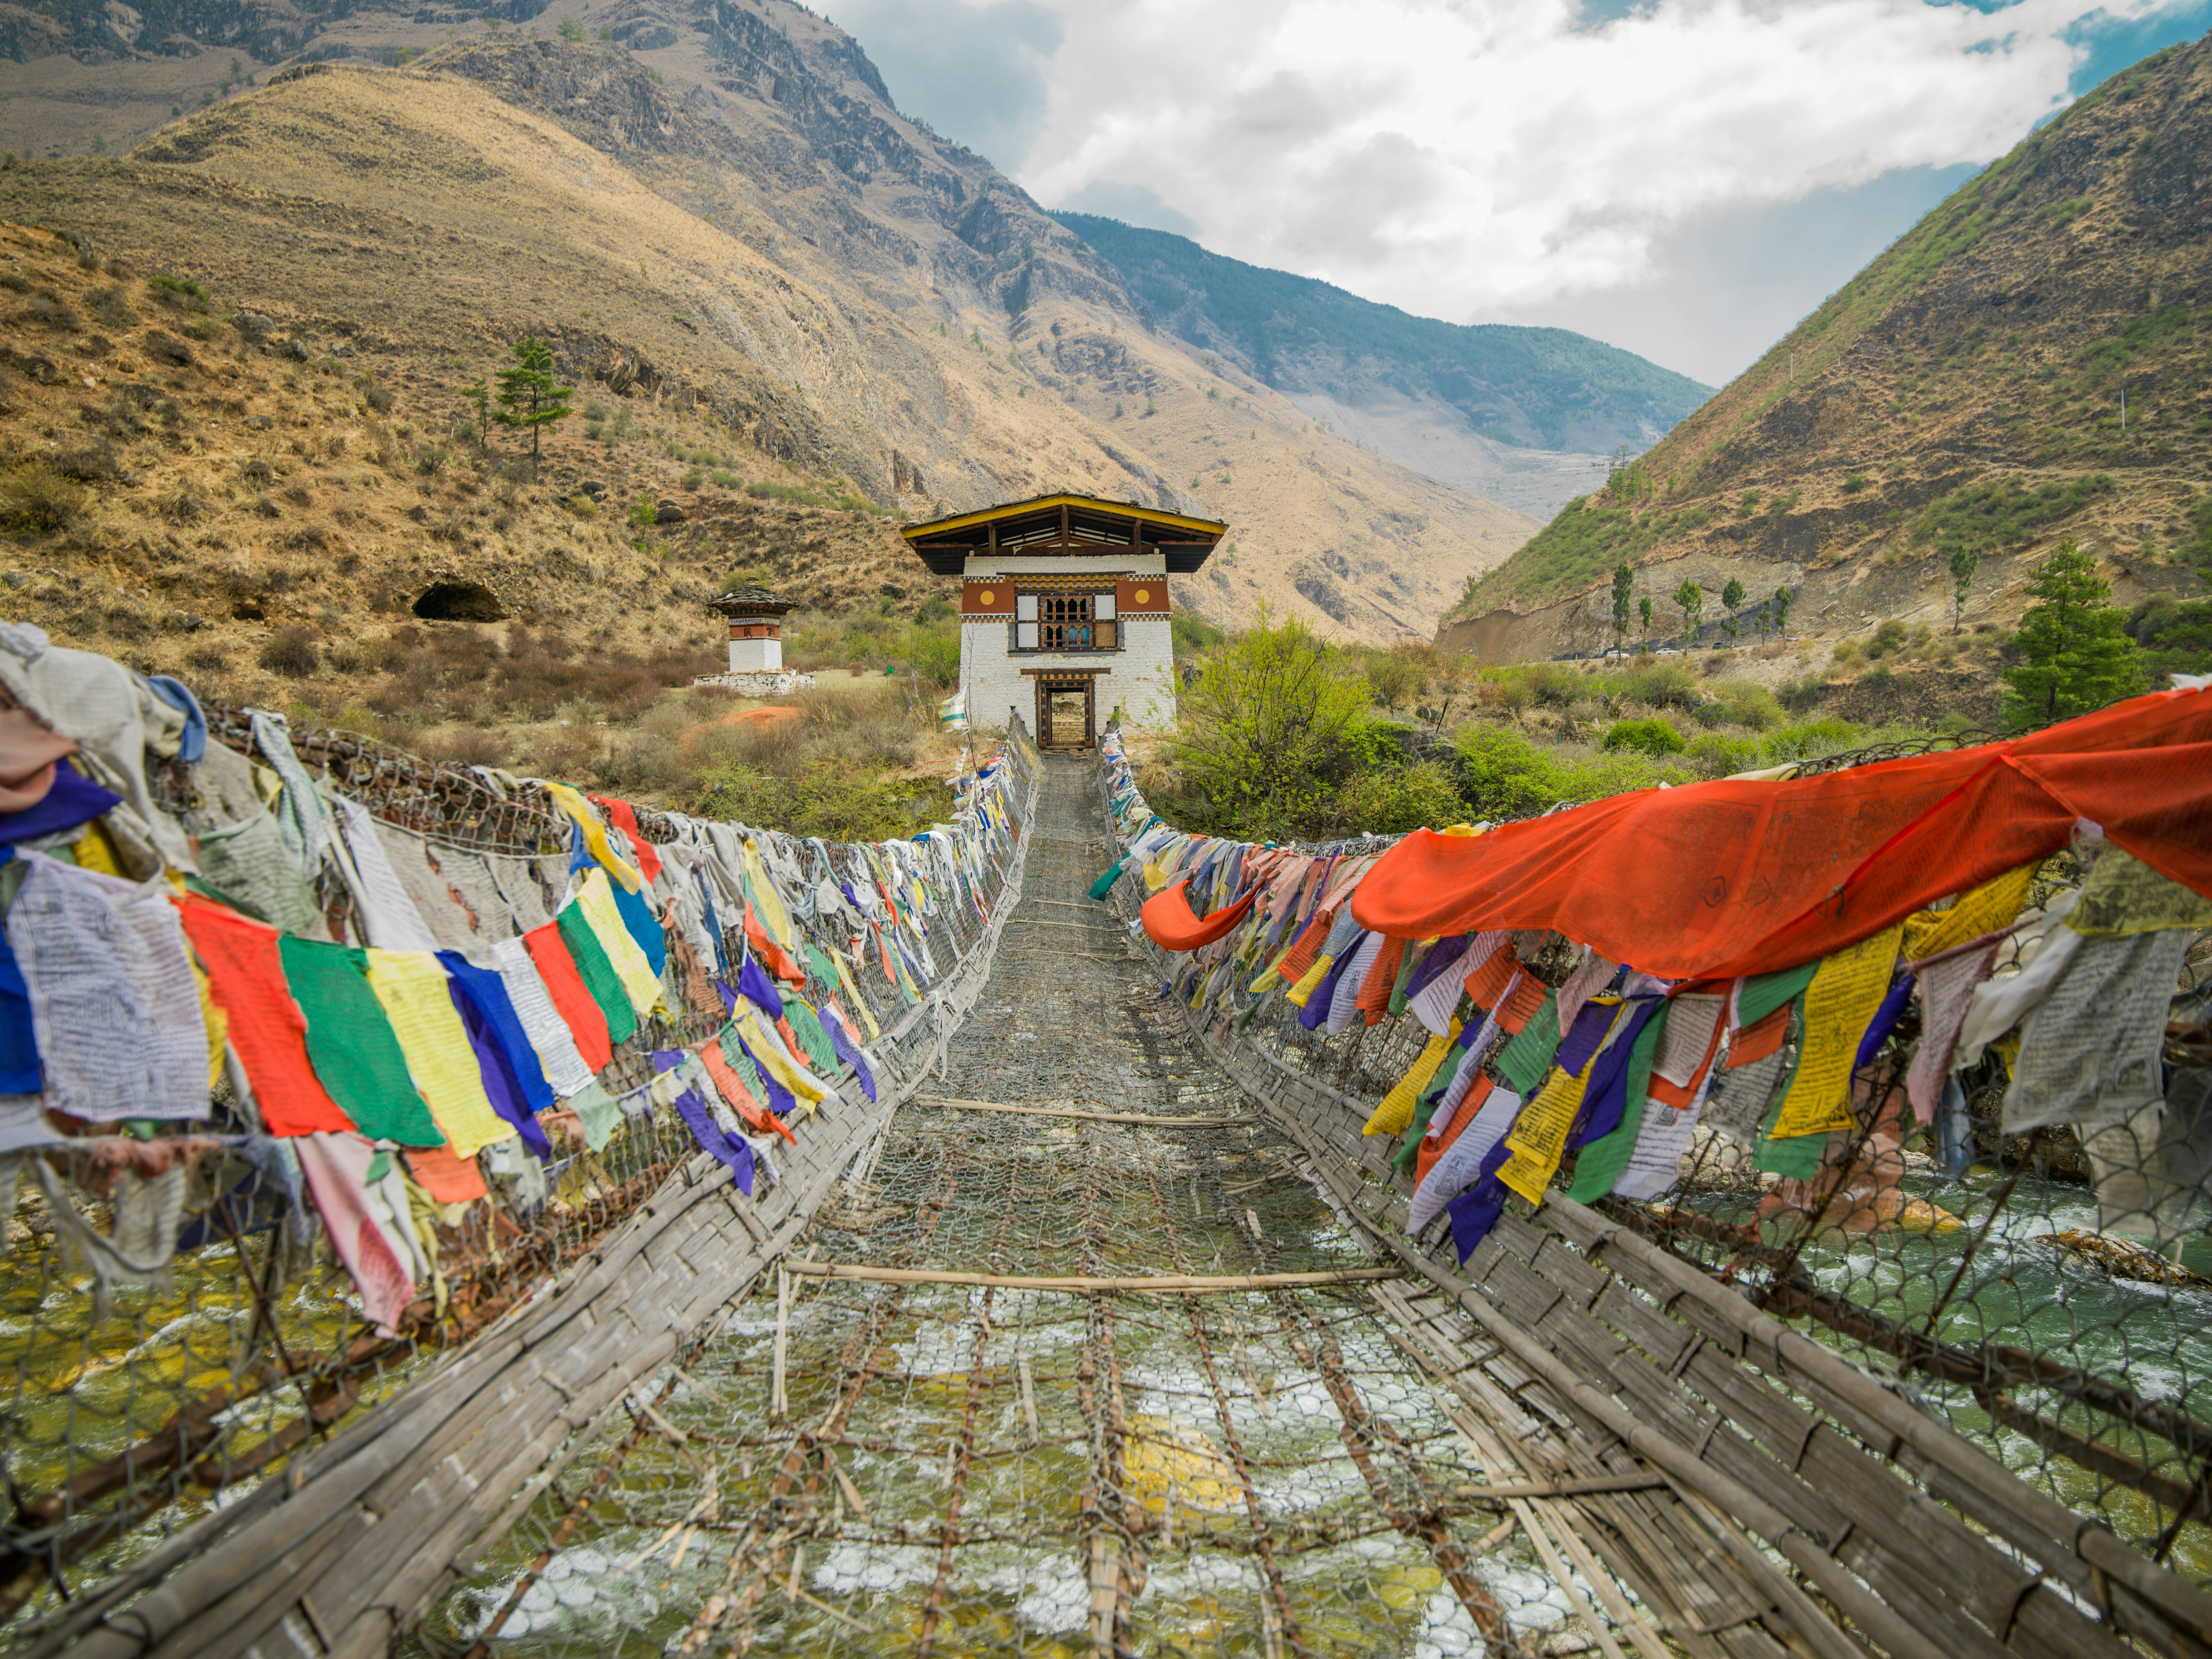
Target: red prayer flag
x=246, y=979
x=576, y=1004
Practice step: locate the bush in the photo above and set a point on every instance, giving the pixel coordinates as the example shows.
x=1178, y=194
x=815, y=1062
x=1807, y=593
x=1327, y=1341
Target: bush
x=2175, y=634
x=1745, y=703
x=1661, y=684
x=1718, y=757
x=1396, y=676
x=291, y=652
x=1264, y=734
x=37, y=498
x=936, y=656
x=1810, y=741
x=1504, y=775
x=1651, y=737
x=1421, y=796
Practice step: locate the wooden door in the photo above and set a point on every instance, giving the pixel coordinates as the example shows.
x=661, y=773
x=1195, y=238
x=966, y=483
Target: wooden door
x=1068, y=717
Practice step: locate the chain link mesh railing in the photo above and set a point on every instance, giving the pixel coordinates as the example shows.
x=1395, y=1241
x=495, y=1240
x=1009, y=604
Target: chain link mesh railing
x=132, y=1410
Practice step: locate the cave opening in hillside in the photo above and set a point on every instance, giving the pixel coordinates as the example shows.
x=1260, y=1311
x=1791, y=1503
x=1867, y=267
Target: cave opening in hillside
x=459, y=602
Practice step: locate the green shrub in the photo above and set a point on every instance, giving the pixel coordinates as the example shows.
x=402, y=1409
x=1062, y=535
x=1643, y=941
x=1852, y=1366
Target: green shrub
x=1718, y=757
x=1746, y=703
x=1264, y=735
x=1396, y=676
x=936, y=655
x=1504, y=775
x=1391, y=801
x=1651, y=737
x=1662, y=684
x=2175, y=634
x=1810, y=741
x=828, y=800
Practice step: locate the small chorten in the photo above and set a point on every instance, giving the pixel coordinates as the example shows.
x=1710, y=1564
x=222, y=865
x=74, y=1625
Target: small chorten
x=755, y=618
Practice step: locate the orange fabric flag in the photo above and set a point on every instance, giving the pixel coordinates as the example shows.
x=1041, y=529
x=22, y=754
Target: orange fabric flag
x=1731, y=878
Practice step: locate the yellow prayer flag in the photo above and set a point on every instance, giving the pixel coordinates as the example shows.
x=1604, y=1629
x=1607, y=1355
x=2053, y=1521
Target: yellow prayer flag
x=1538, y=1139
x=1992, y=905
x=1839, y=1003
x=1394, y=1114
x=595, y=833
x=411, y=986
x=1300, y=993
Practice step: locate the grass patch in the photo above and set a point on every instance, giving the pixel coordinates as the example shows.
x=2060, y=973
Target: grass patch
x=2003, y=512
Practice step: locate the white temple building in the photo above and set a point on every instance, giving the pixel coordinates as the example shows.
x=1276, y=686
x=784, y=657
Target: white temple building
x=1064, y=606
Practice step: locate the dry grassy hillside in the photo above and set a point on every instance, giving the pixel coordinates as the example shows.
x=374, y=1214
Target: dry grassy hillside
x=803, y=282
x=263, y=507
x=1964, y=391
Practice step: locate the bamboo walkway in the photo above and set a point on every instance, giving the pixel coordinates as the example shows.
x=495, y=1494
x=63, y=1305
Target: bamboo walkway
x=1110, y=1343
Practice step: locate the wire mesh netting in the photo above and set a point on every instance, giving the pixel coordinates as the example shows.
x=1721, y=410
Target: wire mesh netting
x=136, y=1403
x=870, y=1466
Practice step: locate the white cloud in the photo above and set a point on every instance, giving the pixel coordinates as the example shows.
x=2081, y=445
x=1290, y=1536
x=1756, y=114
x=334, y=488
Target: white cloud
x=1476, y=158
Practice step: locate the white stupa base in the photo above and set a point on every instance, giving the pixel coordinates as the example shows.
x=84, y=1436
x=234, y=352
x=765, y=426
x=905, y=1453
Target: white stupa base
x=779, y=684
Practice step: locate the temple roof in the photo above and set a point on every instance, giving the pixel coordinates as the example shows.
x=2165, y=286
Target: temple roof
x=1065, y=524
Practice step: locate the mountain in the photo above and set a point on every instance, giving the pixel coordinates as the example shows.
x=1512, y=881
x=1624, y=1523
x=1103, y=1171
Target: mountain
x=1525, y=415
x=709, y=209
x=2029, y=362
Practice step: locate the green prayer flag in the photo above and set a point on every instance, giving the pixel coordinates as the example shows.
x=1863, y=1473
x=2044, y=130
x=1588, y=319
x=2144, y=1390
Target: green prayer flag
x=598, y=973
x=1524, y=1060
x=1763, y=993
x=1413, y=954
x=1797, y=1157
x=598, y=1111
x=812, y=1037
x=351, y=1044
x=1425, y=1107
x=741, y=1063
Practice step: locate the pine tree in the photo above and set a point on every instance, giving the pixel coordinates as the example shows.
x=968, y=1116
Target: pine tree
x=529, y=400
x=1780, y=604
x=2077, y=658
x=1732, y=597
x=1623, y=579
x=1691, y=598
x=1644, y=622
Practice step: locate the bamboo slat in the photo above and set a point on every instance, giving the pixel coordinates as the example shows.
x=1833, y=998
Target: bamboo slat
x=1164, y=1284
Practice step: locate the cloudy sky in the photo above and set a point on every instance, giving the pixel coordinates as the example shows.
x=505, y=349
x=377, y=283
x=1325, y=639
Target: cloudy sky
x=1684, y=178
